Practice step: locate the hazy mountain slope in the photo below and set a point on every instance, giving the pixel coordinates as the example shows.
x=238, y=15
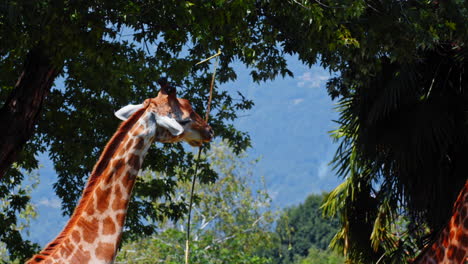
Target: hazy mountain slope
x=289, y=128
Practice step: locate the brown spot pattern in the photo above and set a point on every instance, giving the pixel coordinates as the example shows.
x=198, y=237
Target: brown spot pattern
x=128, y=181
x=81, y=257
x=120, y=219
x=63, y=252
x=66, y=249
x=105, y=251
x=129, y=144
x=440, y=252
x=121, y=170
x=138, y=131
x=460, y=234
x=108, y=226
x=90, y=206
x=76, y=236
x=108, y=179
x=459, y=255
x=103, y=199
x=119, y=202
x=464, y=241
x=445, y=242
x=134, y=161
x=451, y=252
x=140, y=143
x=118, y=164
x=90, y=229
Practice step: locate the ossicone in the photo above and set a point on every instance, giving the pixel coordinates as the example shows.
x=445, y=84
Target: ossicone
x=166, y=86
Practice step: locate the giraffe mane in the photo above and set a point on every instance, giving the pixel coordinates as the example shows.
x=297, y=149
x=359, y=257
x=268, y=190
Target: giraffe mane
x=109, y=150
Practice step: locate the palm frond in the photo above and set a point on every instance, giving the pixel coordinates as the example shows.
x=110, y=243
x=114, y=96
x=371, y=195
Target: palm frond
x=403, y=146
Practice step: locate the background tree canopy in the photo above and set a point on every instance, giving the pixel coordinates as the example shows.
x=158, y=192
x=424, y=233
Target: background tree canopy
x=400, y=82
x=231, y=223
x=402, y=102
x=108, y=54
x=302, y=230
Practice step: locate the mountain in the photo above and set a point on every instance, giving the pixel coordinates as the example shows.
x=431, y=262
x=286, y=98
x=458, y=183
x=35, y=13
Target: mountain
x=289, y=127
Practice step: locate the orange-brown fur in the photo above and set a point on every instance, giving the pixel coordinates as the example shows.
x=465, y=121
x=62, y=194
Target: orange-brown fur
x=99, y=168
x=451, y=245
x=95, y=228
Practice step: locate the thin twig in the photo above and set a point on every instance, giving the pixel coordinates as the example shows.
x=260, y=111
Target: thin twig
x=373, y=8
x=194, y=179
x=327, y=6
x=301, y=4
x=207, y=59
x=187, y=241
x=208, y=107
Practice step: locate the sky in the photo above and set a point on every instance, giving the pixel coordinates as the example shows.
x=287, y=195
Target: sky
x=289, y=128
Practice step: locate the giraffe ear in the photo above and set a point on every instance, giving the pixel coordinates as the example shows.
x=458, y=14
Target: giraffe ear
x=125, y=112
x=170, y=124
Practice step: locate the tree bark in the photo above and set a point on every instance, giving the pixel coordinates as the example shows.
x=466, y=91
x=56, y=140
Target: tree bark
x=21, y=111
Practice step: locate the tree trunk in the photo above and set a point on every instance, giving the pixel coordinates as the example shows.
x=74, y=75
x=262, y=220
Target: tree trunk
x=21, y=111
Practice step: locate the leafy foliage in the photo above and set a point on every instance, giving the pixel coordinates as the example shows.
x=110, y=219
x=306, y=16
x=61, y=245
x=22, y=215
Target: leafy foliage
x=302, y=228
x=400, y=83
x=317, y=256
x=111, y=53
x=402, y=101
x=16, y=212
x=403, y=147
x=403, y=141
x=231, y=223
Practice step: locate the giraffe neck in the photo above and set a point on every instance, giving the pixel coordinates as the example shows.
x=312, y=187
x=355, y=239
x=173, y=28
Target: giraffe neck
x=93, y=233
x=451, y=245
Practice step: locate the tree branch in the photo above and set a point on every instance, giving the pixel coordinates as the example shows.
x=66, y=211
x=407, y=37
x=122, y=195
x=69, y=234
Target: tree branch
x=21, y=111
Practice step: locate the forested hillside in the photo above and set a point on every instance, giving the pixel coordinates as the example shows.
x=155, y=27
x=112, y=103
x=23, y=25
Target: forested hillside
x=303, y=231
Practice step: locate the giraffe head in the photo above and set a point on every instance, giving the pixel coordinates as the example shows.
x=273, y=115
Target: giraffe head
x=168, y=119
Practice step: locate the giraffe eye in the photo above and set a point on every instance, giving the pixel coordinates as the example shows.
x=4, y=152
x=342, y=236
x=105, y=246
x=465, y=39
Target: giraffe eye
x=184, y=122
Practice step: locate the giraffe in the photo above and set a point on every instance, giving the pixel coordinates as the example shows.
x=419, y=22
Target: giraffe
x=93, y=233
x=451, y=244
